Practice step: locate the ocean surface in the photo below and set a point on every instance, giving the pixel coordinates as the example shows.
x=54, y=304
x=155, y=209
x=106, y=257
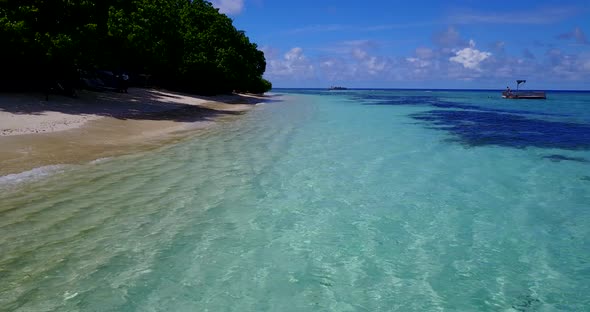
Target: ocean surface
x=358, y=200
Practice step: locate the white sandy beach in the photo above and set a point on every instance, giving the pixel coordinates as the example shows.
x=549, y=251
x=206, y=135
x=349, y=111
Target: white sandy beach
x=35, y=132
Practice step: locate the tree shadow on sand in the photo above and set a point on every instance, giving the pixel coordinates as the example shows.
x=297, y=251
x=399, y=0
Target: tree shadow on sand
x=138, y=104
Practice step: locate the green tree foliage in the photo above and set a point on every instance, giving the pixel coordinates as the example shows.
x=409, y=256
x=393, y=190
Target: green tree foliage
x=182, y=44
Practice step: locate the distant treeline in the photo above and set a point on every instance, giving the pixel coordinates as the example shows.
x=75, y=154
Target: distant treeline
x=180, y=44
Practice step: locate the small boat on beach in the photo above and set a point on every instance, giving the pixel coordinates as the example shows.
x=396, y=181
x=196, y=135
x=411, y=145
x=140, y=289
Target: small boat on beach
x=337, y=88
x=528, y=95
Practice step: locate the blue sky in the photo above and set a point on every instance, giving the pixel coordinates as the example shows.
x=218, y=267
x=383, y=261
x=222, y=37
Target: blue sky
x=419, y=44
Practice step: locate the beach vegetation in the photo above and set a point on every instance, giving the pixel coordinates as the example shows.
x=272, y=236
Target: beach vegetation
x=179, y=44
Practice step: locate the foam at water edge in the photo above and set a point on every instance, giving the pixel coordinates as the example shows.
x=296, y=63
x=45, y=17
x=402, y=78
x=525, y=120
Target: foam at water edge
x=31, y=175
x=100, y=160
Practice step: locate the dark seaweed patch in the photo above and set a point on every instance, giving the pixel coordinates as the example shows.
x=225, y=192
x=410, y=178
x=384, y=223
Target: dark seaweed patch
x=558, y=158
x=474, y=125
x=527, y=303
x=478, y=128
x=437, y=103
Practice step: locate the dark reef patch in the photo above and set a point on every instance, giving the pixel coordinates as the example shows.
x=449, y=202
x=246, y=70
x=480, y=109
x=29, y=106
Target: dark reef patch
x=474, y=125
x=437, y=103
x=527, y=303
x=558, y=158
x=480, y=128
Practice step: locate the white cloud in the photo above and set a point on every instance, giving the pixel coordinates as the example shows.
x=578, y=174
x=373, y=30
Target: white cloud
x=569, y=66
x=295, y=54
x=375, y=65
x=336, y=69
x=358, y=63
x=230, y=7
x=470, y=57
x=359, y=53
x=421, y=65
x=454, y=59
x=418, y=62
x=294, y=64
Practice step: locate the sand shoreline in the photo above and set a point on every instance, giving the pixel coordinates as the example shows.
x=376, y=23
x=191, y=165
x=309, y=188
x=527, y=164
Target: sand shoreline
x=35, y=133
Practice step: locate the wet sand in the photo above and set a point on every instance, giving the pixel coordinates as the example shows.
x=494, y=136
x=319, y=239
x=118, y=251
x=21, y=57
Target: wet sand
x=35, y=133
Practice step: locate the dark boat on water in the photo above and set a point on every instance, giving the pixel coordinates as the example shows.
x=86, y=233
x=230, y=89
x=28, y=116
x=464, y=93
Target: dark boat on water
x=337, y=88
x=528, y=95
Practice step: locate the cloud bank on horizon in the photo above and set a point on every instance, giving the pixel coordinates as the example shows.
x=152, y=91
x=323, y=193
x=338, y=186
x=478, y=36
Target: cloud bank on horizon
x=417, y=46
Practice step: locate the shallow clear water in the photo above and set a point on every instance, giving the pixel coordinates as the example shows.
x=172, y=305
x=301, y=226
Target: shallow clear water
x=328, y=201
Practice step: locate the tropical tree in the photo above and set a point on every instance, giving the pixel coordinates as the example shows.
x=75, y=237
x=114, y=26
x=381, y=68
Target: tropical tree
x=183, y=44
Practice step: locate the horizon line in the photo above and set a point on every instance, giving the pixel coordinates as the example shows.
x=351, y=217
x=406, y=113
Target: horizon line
x=427, y=89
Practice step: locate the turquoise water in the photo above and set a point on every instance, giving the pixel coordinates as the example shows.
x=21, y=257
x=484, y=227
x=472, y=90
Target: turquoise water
x=342, y=201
